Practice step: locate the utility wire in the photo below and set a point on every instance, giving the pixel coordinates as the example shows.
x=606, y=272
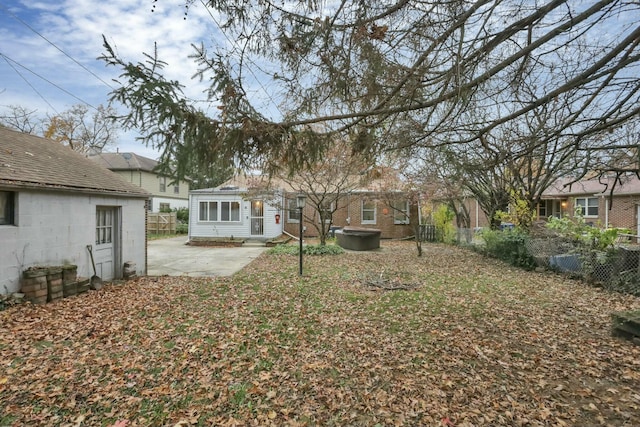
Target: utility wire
x=27, y=82
x=234, y=43
x=6, y=58
x=54, y=45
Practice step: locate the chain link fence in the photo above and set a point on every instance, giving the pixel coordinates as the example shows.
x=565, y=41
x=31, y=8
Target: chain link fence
x=617, y=267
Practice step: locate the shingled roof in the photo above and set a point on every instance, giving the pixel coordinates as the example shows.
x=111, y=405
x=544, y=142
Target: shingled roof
x=125, y=162
x=28, y=161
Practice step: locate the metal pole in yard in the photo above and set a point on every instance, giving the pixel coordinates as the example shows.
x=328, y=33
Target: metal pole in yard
x=301, y=200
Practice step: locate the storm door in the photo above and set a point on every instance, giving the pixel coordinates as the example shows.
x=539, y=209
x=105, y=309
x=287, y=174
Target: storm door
x=257, y=218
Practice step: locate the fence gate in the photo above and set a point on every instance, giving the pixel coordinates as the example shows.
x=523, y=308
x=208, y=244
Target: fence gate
x=161, y=222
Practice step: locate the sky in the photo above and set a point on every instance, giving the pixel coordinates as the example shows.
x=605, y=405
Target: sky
x=49, y=51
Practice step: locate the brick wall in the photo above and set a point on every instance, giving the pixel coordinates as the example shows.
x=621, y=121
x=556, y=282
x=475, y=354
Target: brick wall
x=349, y=213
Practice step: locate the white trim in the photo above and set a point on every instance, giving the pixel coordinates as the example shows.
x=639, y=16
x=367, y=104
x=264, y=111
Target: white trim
x=375, y=212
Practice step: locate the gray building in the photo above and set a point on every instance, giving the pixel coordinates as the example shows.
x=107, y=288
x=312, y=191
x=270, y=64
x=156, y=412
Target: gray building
x=54, y=202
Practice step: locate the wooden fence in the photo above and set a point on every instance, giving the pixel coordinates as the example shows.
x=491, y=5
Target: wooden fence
x=161, y=223
x=428, y=233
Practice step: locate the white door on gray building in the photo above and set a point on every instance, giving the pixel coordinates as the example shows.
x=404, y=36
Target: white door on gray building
x=107, y=243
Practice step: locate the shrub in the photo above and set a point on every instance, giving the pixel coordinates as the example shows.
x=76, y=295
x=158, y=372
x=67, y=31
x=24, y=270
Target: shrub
x=182, y=228
x=182, y=214
x=443, y=220
x=509, y=246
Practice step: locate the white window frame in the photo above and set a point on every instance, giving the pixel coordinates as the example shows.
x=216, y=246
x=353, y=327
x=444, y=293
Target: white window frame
x=207, y=210
x=104, y=225
x=231, y=215
x=162, y=184
x=400, y=215
x=368, y=209
x=293, y=213
x=587, y=206
x=176, y=189
x=229, y=211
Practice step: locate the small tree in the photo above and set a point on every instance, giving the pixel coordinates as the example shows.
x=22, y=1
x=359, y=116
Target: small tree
x=83, y=131
x=325, y=183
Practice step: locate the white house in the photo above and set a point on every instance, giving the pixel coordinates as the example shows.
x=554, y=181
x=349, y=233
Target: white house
x=230, y=212
x=54, y=202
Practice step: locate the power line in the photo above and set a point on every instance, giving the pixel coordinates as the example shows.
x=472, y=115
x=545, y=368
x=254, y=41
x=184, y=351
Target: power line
x=27, y=82
x=54, y=45
x=234, y=43
x=6, y=58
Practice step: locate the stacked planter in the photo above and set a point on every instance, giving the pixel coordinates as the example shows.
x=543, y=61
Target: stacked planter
x=54, y=283
x=34, y=285
x=83, y=285
x=45, y=284
x=129, y=270
x=69, y=276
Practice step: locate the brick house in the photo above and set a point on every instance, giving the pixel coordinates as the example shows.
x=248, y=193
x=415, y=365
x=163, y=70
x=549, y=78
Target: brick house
x=248, y=207
x=594, y=199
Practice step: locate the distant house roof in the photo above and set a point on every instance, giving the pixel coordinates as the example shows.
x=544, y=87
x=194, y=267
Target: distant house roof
x=382, y=181
x=627, y=185
x=125, y=161
x=28, y=161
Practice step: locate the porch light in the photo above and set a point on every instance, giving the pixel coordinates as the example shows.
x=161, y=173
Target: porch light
x=564, y=204
x=301, y=200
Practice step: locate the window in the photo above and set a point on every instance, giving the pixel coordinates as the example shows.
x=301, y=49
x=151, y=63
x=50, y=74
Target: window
x=215, y=211
x=104, y=226
x=7, y=207
x=163, y=184
x=230, y=211
x=368, y=212
x=400, y=212
x=176, y=189
x=587, y=206
x=292, y=211
x=208, y=211
x=165, y=207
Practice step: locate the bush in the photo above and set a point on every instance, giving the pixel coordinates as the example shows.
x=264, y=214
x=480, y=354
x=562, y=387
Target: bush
x=182, y=228
x=443, y=220
x=306, y=250
x=182, y=214
x=509, y=246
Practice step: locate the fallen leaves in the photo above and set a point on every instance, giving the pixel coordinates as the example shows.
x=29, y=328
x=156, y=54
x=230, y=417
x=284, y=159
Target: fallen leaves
x=474, y=344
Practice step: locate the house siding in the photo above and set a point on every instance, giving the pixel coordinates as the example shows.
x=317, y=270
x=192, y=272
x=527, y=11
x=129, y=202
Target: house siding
x=151, y=183
x=54, y=228
x=241, y=229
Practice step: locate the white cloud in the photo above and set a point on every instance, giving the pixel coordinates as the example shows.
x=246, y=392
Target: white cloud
x=76, y=27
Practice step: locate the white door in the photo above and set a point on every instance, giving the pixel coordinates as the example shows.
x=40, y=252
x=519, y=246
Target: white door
x=104, y=250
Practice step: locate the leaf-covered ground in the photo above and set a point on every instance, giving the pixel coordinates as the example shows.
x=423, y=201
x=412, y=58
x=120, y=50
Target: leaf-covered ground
x=477, y=343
